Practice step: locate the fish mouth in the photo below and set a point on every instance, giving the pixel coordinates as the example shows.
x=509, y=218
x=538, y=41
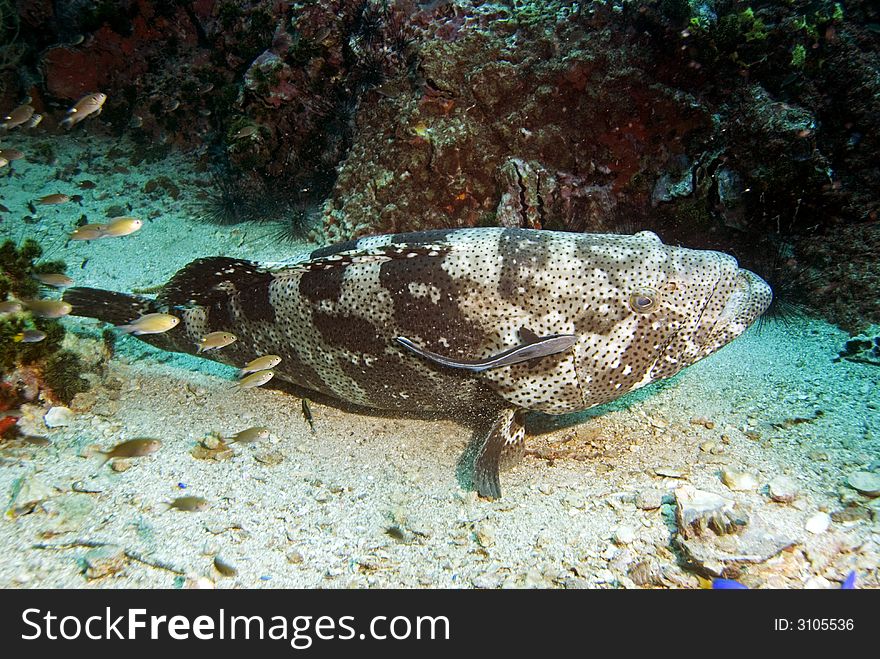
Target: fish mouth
x=749, y=297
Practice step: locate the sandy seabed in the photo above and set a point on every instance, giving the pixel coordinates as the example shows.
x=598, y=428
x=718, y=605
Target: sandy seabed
x=372, y=500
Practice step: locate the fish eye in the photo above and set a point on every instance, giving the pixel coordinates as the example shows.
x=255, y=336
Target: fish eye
x=644, y=300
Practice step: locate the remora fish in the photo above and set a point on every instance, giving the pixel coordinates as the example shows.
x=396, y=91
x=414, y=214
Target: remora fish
x=507, y=299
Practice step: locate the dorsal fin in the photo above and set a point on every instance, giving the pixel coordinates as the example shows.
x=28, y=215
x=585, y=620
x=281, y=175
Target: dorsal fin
x=197, y=282
x=375, y=254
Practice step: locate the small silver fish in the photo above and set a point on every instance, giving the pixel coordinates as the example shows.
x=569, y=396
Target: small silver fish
x=90, y=104
x=246, y=131
x=88, y=232
x=29, y=336
x=249, y=436
x=17, y=117
x=57, y=280
x=10, y=306
x=121, y=226
x=260, y=364
x=151, y=323
x=215, y=340
x=48, y=308
x=53, y=199
x=257, y=379
x=188, y=504
x=11, y=154
x=133, y=448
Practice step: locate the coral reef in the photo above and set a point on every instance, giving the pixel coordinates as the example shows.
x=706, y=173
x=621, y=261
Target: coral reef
x=716, y=124
x=302, y=93
x=719, y=123
x=43, y=367
x=536, y=85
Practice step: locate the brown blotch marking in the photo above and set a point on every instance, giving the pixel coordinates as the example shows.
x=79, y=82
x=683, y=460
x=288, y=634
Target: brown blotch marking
x=254, y=297
x=351, y=333
x=640, y=355
x=108, y=306
x=197, y=281
x=218, y=315
x=590, y=321
x=676, y=347
x=387, y=369
x=323, y=284
x=422, y=317
x=212, y=282
x=293, y=369
x=420, y=391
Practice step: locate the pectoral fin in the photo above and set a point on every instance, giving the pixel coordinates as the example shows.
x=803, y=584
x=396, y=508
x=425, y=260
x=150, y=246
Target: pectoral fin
x=539, y=347
x=503, y=443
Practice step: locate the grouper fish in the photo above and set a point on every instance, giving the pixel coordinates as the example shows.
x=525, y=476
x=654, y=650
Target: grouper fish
x=490, y=320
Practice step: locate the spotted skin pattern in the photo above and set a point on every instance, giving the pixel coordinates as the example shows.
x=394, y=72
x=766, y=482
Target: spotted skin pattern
x=641, y=310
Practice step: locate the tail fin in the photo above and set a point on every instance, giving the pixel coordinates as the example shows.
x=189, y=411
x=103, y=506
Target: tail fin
x=109, y=306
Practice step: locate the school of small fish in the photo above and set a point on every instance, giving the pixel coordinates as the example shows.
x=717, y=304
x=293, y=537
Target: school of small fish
x=25, y=116
x=254, y=374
